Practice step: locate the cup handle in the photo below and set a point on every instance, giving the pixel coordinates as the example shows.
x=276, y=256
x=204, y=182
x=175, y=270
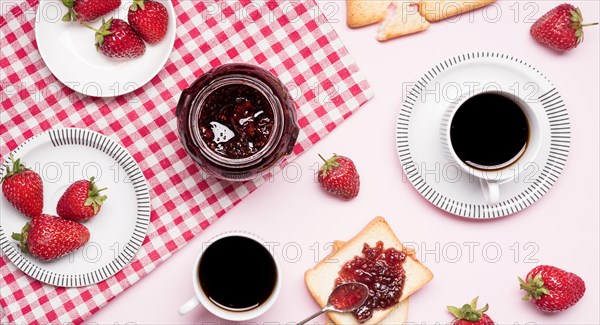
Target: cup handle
x=491, y=191
x=188, y=306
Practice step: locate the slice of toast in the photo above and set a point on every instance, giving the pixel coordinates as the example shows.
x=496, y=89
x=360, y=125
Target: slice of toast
x=365, y=12
x=320, y=280
x=404, y=18
x=435, y=10
x=399, y=314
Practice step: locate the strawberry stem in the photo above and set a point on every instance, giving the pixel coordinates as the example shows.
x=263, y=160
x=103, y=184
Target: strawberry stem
x=329, y=164
x=22, y=238
x=17, y=167
x=325, y=160
x=534, y=286
x=71, y=15
x=94, y=199
x=468, y=312
x=577, y=24
x=102, y=32
x=90, y=27
x=137, y=4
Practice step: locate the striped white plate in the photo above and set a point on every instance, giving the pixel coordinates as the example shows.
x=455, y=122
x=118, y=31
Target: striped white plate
x=62, y=156
x=420, y=149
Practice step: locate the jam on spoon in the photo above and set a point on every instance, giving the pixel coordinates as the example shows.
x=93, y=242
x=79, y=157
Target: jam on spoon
x=344, y=298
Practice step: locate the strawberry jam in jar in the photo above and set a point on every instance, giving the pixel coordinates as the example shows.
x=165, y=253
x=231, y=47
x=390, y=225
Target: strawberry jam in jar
x=237, y=121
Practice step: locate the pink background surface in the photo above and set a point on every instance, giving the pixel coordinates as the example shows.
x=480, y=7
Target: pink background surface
x=562, y=229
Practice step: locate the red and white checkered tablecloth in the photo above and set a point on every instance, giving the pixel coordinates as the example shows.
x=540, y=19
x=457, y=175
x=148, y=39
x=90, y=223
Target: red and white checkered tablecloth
x=291, y=39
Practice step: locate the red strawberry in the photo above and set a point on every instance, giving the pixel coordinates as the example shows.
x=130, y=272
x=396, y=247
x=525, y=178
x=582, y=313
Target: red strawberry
x=81, y=201
x=116, y=39
x=149, y=19
x=560, y=28
x=552, y=289
x=339, y=177
x=47, y=237
x=88, y=10
x=468, y=314
x=23, y=188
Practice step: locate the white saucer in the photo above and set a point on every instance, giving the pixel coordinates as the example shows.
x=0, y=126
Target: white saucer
x=62, y=156
x=437, y=178
x=69, y=52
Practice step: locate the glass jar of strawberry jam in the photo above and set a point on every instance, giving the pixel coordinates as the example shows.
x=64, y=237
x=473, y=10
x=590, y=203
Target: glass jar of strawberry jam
x=236, y=121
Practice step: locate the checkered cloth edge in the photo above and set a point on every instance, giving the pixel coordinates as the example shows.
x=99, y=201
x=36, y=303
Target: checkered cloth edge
x=287, y=38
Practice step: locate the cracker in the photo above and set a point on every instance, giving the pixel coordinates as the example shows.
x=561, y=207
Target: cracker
x=365, y=12
x=405, y=19
x=435, y=10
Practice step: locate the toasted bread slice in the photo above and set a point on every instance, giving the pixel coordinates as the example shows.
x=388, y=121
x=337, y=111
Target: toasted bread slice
x=397, y=316
x=435, y=10
x=365, y=12
x=320, y=280
x=404, y=18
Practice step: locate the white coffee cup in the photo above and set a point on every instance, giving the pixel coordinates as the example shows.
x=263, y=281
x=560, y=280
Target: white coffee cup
x=203, y=299
x=491, y=180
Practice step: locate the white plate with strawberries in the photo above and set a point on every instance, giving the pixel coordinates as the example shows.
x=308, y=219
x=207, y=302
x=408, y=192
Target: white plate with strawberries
x=88, y=229
x=131, y=49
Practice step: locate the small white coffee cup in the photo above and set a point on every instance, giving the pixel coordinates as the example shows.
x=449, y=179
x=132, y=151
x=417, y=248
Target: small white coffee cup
x=491, y=180
x=201, y=297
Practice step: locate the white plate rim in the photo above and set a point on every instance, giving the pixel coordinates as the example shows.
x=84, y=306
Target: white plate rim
x=555, y=109
x=84, y=137
x=151, y=72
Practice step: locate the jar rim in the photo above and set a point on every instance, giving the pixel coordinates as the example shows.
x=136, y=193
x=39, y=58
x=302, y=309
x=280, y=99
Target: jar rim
x=234, y=79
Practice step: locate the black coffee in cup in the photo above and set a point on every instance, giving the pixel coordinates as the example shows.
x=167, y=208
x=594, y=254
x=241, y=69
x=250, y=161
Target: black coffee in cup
x=489, y=131
x=237, y=273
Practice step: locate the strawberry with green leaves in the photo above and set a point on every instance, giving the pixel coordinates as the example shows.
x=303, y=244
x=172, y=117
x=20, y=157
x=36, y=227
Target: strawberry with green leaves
x=23, y=188
x=48, y=237
x=81, y=201
x=116, y=39
x=552, y=289
x=468, y=314
x=88, y=10
x=338, y=176
x=561, y=28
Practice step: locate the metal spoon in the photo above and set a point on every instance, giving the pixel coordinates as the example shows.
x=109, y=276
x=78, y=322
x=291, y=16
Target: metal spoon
x=344, y=298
